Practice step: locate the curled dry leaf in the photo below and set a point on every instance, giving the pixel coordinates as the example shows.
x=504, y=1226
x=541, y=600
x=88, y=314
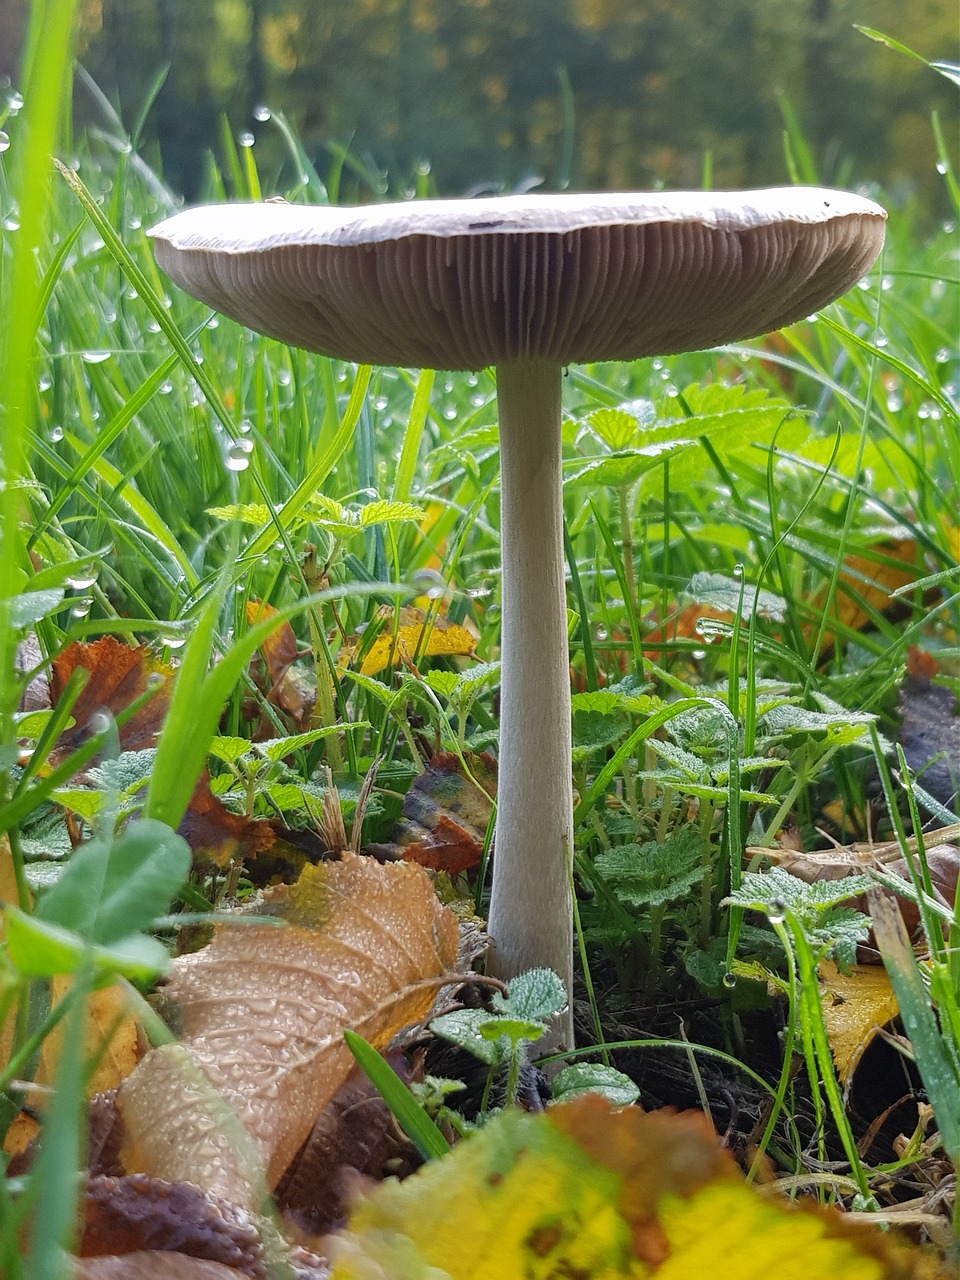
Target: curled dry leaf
x=119, y=674
x=134, y=1214
x=856, y=1005
x=421, y=633
x=150, y=1265
x=445, y=815
x=262, y=1009
x=283, y=683
x=210, y=829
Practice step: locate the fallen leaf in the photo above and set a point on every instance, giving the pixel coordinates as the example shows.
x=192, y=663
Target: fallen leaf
x=210, y=829
x=445, y=815
x=355, y=1134
x=683, y=625
x=151, y=1265
x=112, y=1038
x=262, y=1009
x=285, y=686
x=119, y=674
x=866, y=586
x=856, y=1005
x=586, y=1191
x=138, y=1214
x=421, y=634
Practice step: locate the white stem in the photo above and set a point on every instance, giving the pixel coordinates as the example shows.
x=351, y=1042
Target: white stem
x=531, y=910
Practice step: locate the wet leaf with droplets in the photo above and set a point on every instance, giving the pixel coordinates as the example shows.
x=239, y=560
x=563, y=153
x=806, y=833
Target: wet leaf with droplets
x=262, y=1009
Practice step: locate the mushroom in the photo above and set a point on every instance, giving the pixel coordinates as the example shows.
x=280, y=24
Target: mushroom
x=528, y=284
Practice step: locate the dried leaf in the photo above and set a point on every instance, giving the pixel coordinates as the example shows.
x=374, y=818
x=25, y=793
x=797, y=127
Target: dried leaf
x=111, y=1037
x=150, y=1265
x=262, y=1009
x=285, y=686
x=445, y=815
x=867, y=585
x=133, y=1214
x=209, y=828
x=354, y=1135
x=856, y=1005
x=586, y=1191
x=416, y=637
x=119, y=674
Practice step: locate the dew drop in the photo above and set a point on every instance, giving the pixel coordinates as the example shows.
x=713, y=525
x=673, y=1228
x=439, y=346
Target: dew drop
x=83, y=576
x=135, y=222
x=882, y=340
x=81, y=607
x=246, y=426
x=942, y=166
x=55, y=434
x=472, y=380
x=894, y=401
x=776, y=911
x=165, y=388
x=246, y=138
x=95, y=357
x=381, y=403
x=173, y=640
x=238, y=453
x=450, y=412
x=14, y=102
x=601, y=633
x=943, y=355
x=11, y=222
x=261, y=112
x=738, y=570
x=887, y=283
x=4, y=141
x=477, y=399
x=448, y=385
x=729, y=981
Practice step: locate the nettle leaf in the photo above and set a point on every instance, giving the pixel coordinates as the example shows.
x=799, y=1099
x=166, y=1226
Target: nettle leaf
x=626, y=466
x=385, y=511
x=827, y=926
x=230, y=750
x=721, y=592
x=840, y=726
x=586, y=1190
x=616, y=427
x=255, y=513
x=277, y=749
x=685, y=762
x=654, y=873
x=596, y=730
x=535, y=996
x=463, y=1028
x=594, y=1077
x=512, y=1029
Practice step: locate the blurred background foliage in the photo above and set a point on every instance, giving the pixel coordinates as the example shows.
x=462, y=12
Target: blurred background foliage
x=454, y=96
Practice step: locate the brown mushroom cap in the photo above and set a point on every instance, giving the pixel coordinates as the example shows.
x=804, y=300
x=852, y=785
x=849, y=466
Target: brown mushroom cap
x=462, y=284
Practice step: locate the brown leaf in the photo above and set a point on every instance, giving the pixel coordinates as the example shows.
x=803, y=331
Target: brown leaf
x=151, y=1265
x=262, y=1009
x=866, y=586
x=445, y=815
x=135, y=1213
x=119, y=674
x=209, y=828
x=285, y=686
x=354, y=1135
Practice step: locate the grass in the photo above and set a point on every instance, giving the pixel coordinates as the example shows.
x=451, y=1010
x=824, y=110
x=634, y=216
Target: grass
x=826, y=462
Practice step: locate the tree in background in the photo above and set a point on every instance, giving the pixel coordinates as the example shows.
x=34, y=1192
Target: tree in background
x=502, y=93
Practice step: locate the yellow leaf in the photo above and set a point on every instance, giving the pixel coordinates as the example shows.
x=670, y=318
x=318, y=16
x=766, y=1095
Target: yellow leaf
x=855, y=1007
x=418, y=635
x=587, y=1191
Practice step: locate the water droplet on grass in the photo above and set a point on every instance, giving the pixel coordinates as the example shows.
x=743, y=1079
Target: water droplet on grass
x=237, y=455
x=4, y=141
x=83, y=576
x=776, y=911
x=943, y=355
x=261, y=112
x=246, y=138
x=729, y=981
x=55, y=434
x=95, y=357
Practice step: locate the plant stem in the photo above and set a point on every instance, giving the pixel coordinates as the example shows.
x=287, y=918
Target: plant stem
x=531, y=909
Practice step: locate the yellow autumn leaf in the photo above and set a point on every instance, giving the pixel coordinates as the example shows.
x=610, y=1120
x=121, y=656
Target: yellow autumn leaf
x=420, y=634
x=584, y=1190
x=855, y=1007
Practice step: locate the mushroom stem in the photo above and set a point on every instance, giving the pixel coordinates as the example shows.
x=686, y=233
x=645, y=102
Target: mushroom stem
x=531, y=910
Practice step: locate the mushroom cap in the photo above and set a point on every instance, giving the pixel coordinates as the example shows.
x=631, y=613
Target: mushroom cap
x=462, y=284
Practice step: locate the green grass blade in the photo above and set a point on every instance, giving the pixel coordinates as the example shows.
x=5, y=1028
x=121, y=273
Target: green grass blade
x=410, y=1116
